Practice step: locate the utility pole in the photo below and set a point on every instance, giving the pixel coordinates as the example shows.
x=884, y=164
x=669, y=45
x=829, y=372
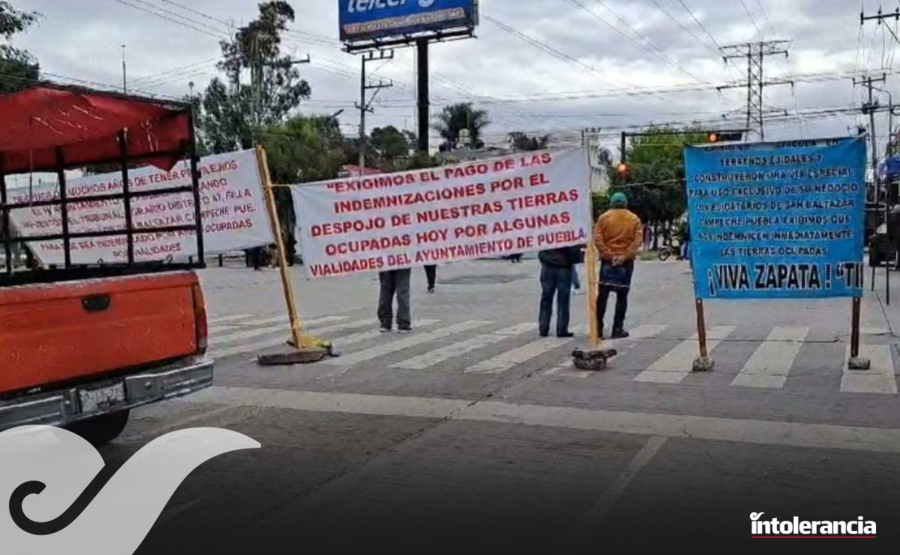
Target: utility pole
x=755, y=54
x=124, y=72
x=365, y=104
x=870, y=107
x=423, y=94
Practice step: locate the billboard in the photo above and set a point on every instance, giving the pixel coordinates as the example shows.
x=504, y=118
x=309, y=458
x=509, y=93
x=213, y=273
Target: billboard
x=363, y=20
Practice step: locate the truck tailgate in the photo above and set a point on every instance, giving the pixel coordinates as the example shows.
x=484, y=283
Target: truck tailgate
x=54, y=333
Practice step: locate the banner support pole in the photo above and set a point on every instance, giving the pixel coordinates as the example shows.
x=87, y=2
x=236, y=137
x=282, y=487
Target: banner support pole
x=856, y=362
x=297, y=334
x=594, y=358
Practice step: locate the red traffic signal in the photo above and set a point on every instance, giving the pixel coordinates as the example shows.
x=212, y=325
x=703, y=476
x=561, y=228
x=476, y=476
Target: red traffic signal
x=622, y=169
x=713, y=138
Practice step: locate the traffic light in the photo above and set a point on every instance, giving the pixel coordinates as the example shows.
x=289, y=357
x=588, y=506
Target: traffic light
x=725, y=137
x=623, y=170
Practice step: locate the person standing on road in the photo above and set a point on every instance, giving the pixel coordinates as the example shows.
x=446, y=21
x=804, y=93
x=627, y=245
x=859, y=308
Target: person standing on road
x=431, y=276
x=556, y=281
x=394, y=282
x=618, y=237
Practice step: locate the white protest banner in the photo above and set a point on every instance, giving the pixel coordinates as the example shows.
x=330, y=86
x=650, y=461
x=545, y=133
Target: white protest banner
x=233, y=212
x=514, y=204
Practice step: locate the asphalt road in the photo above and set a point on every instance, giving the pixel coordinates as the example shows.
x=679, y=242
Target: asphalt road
x=474, y=435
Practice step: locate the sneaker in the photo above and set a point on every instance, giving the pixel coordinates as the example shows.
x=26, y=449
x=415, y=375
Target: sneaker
x=566, y=335
x=431, y=289
x=620, y=334
x=544, y=333
x=386, y=330
x=404, y=330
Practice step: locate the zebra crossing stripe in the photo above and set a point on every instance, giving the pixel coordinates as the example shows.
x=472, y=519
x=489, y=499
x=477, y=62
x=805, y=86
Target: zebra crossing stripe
x=566, y=370
x=376, y=333
x=407, y=342
x=646, y=331
x=224, y=319
x=253, y=323
x=504, y=361
x=282, y=336
x=873, y=320
x=267, y=330
x=879, y=379
x=676, y=365
x=463, y=347
x=770, y=364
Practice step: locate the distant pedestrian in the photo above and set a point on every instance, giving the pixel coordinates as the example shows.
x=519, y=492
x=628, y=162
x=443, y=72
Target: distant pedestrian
x=556, y=281
x=576, y=281
x=394, y=283
x=516, y=258
x=431, y=276
x=618, y=237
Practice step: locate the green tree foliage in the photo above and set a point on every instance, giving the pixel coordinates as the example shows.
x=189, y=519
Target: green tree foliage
x=304, y=149
x=389, y=144
x=654, y=182
x=233, y=112
x=18, y=69
x=454, y=119
x=521, y=141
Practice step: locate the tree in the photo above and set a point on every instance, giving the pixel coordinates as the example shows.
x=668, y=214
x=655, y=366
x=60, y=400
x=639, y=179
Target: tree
x=654, y=181
x=389, y=143
x=521, y=141
x=304, y=149
x=18, y=69
x=233, y=112
x=454, y=119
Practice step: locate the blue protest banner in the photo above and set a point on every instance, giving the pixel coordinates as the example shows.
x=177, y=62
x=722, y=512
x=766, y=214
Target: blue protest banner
x=778, y=220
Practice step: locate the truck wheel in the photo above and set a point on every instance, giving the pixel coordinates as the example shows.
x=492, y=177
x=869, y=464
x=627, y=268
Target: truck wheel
x=101, y=430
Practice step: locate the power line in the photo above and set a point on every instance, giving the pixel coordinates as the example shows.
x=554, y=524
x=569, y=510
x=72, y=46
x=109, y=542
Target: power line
x=700, y=24
x=752, y=19
x=684, y=27
x=176, y=21
x=647, y=45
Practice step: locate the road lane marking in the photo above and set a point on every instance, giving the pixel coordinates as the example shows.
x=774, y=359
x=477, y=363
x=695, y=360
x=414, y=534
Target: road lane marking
x=267, y=330
x=588, y=524
x=407, y=342
x=880, y=378
x=225, y=319
x=771, y=363
x=464, y=347
x=676, y=365
x=376, y=333
x=646, y=331
x=505, y=361
x=757, y=432
x=283, y=333
x=566, y=370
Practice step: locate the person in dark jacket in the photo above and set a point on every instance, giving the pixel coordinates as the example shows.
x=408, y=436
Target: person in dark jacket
x=431, y=277
x=556, y=280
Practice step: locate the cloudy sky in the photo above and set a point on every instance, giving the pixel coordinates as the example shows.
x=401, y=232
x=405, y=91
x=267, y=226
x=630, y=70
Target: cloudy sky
x=542, y=66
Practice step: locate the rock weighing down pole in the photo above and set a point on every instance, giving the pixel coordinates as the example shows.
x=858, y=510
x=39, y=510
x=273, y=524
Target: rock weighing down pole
x=306, y=349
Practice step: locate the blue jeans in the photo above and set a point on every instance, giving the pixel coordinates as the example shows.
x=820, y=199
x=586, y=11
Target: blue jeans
x=576, y=282
x=555, y=282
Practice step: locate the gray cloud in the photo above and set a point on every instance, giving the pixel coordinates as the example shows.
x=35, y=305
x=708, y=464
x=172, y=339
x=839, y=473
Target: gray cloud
x=82, y=38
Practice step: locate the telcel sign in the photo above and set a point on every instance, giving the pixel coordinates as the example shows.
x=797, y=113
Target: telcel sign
x=363, y=20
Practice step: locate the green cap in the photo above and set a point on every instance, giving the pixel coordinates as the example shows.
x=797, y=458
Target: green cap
x=618, y=200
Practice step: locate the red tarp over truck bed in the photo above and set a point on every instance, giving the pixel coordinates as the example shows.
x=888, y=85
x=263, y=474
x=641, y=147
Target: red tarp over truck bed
x=86, y=123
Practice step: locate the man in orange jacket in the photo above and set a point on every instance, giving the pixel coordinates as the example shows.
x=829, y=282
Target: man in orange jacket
x=618, y=236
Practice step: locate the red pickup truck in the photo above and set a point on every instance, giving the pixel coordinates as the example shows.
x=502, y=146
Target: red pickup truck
x=81, y=344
